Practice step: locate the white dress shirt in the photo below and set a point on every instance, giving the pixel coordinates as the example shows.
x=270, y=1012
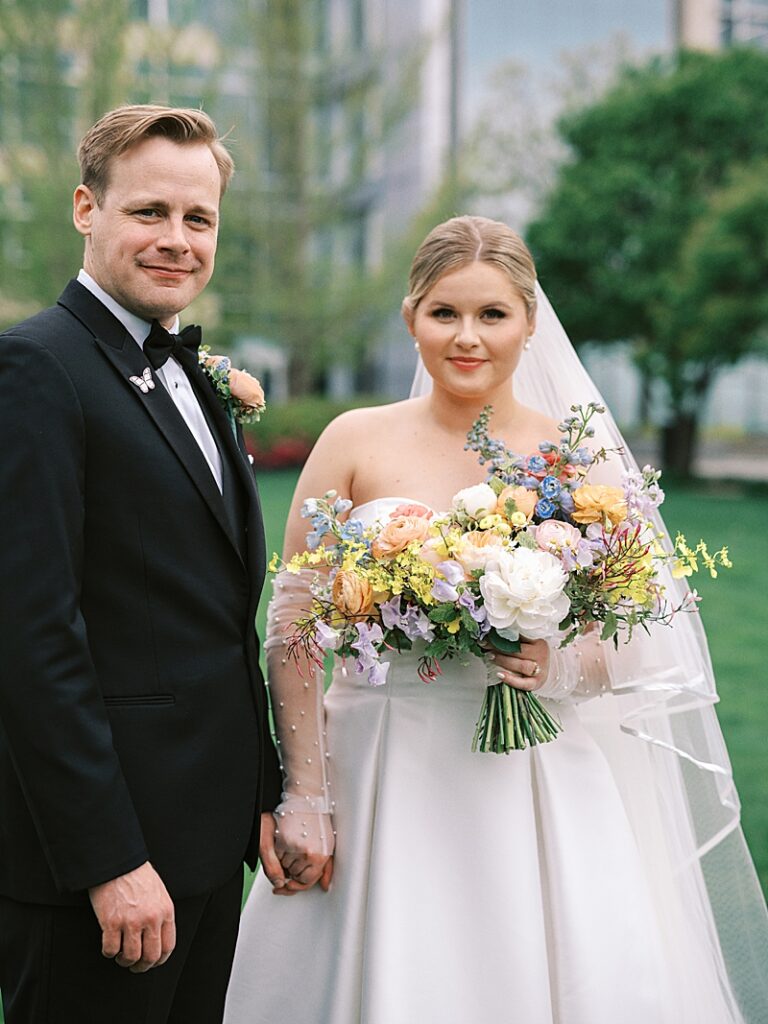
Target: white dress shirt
x=171, y=374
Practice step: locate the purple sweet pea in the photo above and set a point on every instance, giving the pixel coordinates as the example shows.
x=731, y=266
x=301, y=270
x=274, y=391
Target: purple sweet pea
x=391, y=615
x=452, y=571
x=478, y=613
x=377, y=674
x=443, y=591
x=367, y=637
x=416, y=625
x=327, y=638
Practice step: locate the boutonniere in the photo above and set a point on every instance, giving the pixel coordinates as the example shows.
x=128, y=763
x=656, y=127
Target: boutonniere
x=241, y=394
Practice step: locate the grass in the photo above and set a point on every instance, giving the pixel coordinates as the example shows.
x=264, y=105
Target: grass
x=734, y=612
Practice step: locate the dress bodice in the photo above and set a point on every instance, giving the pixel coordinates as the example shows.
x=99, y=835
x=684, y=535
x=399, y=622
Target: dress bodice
x=378, y=509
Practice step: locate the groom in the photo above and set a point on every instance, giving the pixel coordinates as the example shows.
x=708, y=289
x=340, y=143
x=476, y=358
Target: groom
x=135, y=756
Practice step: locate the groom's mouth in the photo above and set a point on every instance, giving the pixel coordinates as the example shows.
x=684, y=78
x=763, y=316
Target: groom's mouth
x=167, y=273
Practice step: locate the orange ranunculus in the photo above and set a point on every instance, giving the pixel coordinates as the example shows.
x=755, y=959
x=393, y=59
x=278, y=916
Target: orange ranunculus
x=352, y=595
x=596, y=503
x=525, y=500
x=398, y=534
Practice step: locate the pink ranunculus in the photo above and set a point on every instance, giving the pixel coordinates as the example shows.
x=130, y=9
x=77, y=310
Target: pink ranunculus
x=553, y=536
x=411, y=510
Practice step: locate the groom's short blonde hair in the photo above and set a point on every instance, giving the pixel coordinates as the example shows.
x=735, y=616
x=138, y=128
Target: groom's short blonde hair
x=125, y=127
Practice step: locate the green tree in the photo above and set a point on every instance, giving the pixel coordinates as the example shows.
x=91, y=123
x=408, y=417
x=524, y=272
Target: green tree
x=298, y=262
x=634, y=202
x=63, y=63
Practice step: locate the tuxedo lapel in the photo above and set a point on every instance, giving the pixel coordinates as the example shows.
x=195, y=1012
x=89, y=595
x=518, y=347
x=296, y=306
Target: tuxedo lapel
x=128, y=360
x=239, y=459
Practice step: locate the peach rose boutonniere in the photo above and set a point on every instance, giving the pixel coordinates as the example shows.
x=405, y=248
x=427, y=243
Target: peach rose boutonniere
x=240, y=393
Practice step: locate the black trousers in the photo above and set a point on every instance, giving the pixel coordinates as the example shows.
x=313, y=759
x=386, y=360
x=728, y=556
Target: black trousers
x=52, y=970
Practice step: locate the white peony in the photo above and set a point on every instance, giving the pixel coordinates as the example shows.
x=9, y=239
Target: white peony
x=523, y=594
x=477, y=501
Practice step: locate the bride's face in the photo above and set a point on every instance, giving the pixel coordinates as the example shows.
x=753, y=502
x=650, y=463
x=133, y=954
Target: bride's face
x=471, y=327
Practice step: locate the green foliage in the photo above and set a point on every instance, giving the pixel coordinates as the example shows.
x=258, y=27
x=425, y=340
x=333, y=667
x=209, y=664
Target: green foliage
x=659, y=202
x=302, y=418
x=716, y=305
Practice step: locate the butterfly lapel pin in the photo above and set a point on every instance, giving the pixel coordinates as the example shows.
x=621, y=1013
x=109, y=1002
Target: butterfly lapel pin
x=144, y=383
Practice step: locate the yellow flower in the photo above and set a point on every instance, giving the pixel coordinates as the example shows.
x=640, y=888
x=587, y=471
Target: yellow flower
x=453, y=625
x=496, y=523
x=595, y=503
x=681, y=568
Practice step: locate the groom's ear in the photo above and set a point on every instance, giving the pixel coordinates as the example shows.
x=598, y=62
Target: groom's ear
x=83, y=206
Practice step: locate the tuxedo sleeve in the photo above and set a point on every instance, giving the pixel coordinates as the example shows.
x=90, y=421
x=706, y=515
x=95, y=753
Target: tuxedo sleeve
x=51, y=712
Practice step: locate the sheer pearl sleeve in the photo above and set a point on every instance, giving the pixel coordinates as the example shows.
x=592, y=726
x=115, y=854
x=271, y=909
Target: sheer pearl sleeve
x=304, y=823
x=578, y=672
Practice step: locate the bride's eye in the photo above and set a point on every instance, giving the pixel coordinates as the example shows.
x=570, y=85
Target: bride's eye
x=494, y=314
x=443, y=313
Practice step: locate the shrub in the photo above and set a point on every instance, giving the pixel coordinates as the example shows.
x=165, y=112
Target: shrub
x=287, y=433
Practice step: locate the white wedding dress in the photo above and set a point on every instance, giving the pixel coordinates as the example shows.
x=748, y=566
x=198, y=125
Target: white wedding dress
x=471, y=888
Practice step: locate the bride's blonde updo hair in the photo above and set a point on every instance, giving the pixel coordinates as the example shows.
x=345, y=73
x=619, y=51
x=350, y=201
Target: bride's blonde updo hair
x=462, y=240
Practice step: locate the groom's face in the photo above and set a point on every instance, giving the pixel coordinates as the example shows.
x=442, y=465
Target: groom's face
x=151, y=241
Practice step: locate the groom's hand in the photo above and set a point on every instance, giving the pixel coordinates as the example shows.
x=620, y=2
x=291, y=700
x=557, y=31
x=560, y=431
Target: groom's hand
x=136, y=916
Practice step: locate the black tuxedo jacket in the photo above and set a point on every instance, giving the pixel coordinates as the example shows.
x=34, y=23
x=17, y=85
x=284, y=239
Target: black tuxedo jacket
x=133, y=719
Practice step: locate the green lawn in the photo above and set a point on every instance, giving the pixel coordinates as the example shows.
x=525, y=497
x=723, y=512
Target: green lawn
x=734, y=611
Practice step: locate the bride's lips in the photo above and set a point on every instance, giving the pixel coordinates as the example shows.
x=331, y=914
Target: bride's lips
x=466, y=363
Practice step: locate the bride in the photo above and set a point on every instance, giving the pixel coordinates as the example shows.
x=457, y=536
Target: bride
x=597, y=878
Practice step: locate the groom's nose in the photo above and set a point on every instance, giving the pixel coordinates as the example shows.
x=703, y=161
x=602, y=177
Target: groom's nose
x=173, y=235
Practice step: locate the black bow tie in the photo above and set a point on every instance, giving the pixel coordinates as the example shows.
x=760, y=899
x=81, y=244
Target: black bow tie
x=161, y=344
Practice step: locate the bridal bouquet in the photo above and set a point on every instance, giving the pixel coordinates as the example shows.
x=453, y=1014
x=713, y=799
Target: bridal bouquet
x=534, y=552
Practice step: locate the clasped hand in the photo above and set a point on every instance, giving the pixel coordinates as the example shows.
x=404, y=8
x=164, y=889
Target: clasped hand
x=288, y=869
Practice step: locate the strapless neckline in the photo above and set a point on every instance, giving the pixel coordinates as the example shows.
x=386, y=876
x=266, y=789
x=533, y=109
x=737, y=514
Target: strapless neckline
x=391, y=499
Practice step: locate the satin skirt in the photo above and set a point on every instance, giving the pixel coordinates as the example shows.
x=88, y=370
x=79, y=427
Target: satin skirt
x=467, y=887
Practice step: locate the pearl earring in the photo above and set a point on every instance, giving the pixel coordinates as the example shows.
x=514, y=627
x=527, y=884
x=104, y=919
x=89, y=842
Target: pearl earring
x=416, y=346
x=527, y=344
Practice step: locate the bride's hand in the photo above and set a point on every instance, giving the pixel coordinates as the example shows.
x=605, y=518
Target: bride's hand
x=287, y=871
x=303, y=870
x=526, y=670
